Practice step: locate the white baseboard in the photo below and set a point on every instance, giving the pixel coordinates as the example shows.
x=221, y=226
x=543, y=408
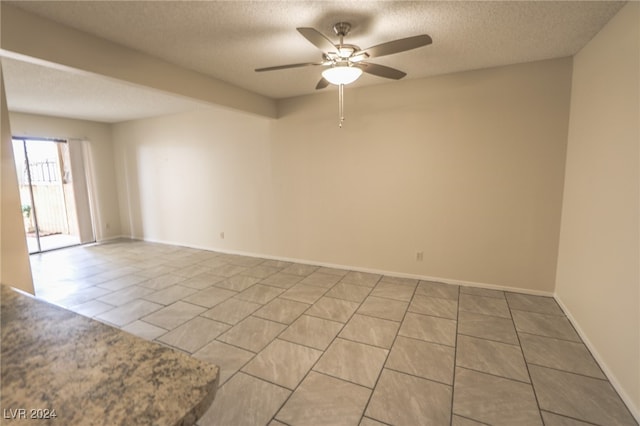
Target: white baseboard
x=635, y=411
x=359, y=269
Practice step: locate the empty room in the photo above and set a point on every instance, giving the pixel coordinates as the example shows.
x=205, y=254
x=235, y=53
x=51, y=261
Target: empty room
x=320, y=213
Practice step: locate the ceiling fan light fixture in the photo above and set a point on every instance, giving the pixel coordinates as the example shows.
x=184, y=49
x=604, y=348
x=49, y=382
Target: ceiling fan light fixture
x=343, y=74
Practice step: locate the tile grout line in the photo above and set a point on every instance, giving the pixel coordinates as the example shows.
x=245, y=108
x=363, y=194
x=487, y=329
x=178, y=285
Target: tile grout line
x=275, y=414
x=526, y=364
x=375, y=386
x=455, y=360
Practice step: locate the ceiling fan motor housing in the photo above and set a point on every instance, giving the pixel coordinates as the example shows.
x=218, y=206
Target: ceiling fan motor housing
x=342, y=28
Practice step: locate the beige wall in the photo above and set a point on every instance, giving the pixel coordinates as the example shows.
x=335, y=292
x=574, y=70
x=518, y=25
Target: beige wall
x=598, y=278
x=101, y=168
x=15, y=269
x=466, y=168
x=187, y=177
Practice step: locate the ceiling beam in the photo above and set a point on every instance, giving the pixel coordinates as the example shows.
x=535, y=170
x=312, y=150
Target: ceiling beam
x=26, y=36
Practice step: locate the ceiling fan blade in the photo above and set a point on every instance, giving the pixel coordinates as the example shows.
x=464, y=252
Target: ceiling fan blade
x=381, y=70
x=322, y=84
x=397, y=46
x=283, y=67
x=318, y=39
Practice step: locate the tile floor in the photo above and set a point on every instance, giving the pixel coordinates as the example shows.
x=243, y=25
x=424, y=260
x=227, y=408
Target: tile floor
x=306, y=345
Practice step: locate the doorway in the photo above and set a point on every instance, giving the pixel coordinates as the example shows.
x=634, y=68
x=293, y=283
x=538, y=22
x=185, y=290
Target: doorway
x=47, y=193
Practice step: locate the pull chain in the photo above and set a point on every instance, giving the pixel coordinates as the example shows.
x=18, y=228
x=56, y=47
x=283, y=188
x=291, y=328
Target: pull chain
x=341, y=104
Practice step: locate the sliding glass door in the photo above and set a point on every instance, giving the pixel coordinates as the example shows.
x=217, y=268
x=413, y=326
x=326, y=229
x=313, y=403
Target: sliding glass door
x=47, y=193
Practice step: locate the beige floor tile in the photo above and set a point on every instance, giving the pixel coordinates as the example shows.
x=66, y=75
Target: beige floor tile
x=410, y=282
x=231, y=311
x=130, y=312
x=544, y=325
x=354, y=362
x=332, y=271
x=463, y=421
x=353, y=293
x=228, y=358
x=120, y=275
x=311, y=331
x=366, y=421
x=144, y=330
x=324, y=400
x=428, y=328
x=276, y=263
x=283, y=363
x=383, y=308
x=319, y=279
x=260, y=294
x=300, y=269
x=191, y=271
x=436, y=289
x=194, y=334
x=92, y=308
x=394, y=291
x=363, y=279
x=81, y=295
x=487, y=327
x=494, y=400
x=282, y=310
x=162, y=281
x=484, y=292
x=122, y=282
x=171, y=316
x=551, y=419
x=427, y=360
x=169, y=295
x=241, y=260
x=491, y=357
x=201, y=281
x=126, y=295
x=333, y=309
x=408, y=400
x=580, y=397
x=252, y=333
x=370, y=330
x=228, y=270
x=210, y=297
x=237, y=282
x=244, y=400
x=282, y=280
x=261, y=271
x=434, y=306
x=540, y=304
x=573, y=357
x=484, y=305
x=304, y=293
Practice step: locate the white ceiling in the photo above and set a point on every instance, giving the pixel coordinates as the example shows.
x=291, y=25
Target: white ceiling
x=43, y=90
x=229, y=39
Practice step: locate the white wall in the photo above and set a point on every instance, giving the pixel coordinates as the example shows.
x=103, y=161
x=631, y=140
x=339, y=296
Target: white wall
x=598, y=278
x=101, y=170
x=15, y=269
x=187, y=177
x=467, y=168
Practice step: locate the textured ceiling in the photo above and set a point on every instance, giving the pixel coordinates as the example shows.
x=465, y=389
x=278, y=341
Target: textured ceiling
x=37, y=89
x=229, y=39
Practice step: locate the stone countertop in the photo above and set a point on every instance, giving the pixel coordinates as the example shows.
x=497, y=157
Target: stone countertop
x=91, y=373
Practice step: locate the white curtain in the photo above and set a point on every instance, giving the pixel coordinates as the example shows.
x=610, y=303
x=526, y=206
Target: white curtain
x=81, y=190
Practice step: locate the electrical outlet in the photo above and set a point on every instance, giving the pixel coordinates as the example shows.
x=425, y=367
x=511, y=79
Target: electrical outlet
x=222, y=235
x=107, y=226
x=419, y=256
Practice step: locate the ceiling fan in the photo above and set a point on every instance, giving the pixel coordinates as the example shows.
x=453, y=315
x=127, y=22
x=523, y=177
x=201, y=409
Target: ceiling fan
x=345, y=63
